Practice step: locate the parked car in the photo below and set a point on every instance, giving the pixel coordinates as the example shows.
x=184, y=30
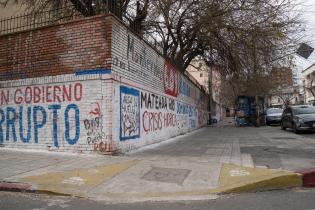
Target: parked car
x=274, y=116
x=299, y=118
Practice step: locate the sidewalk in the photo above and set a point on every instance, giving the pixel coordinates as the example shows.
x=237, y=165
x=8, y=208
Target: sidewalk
x=158, y=172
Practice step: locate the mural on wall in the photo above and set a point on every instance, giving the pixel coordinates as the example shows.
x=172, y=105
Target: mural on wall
x=190, y=114
x=129, y=113
x=170, y=79
x=184, y=87
x=27, y=113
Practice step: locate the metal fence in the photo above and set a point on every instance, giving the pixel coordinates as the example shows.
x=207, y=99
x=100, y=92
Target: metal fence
x=69, y=12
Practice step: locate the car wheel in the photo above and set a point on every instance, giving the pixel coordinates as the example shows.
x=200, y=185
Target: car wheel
x=267, y=123
x=295, y=130
x=282, y=127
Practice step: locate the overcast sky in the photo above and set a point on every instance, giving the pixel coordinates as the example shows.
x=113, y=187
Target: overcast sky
x=308, y=15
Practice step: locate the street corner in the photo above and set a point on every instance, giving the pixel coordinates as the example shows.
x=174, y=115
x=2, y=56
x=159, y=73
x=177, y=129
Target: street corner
x=237, y=179
x=76, y=182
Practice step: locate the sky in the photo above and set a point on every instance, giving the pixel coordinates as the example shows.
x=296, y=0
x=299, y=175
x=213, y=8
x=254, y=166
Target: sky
x=308, y=15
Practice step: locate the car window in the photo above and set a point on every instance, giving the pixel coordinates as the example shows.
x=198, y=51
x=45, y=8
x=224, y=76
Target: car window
x=274, y=111
x=305, y=110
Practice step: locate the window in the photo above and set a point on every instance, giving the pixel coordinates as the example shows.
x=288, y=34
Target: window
x=201, y=74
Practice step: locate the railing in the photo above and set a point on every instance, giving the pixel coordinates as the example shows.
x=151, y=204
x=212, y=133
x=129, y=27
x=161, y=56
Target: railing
x=68, y=12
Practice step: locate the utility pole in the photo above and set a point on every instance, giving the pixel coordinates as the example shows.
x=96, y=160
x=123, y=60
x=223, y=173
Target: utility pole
x=210, y=92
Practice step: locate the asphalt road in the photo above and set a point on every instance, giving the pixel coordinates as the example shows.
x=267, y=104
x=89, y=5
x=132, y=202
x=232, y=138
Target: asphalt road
x=295, y=199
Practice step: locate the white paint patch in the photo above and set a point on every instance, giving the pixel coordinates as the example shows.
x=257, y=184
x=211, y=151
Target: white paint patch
x=74, y=181
x=94, y=171
x=239, y=172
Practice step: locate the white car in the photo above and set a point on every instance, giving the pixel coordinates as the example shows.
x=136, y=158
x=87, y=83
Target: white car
x=274, y=116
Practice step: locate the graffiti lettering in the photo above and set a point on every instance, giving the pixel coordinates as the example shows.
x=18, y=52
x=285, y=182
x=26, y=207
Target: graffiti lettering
x=169, y=120
x=92, y=125
x=42, y=94
x=152, y=101
x=36, y=119
x=4, y=97
x=184, y=88
x=119, y=63
x=104, y=147
x=140, y=57
x=171, y=104
x=185, y=109
x=152, y=121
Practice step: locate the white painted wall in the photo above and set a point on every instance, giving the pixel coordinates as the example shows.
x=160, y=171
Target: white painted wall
x=65, y=112
x=177, y=106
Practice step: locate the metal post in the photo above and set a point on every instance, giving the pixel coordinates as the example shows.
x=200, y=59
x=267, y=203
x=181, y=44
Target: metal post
x=210, y=93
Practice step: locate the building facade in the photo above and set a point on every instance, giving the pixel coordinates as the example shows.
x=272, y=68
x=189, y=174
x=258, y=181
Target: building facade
x=202, y=73
x=309, y=85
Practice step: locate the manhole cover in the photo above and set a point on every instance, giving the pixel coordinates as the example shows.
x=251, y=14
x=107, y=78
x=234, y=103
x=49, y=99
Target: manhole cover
x=283, y=138
x=169, y=175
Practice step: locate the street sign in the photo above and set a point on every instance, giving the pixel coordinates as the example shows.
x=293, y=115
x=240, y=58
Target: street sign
x=305, y=50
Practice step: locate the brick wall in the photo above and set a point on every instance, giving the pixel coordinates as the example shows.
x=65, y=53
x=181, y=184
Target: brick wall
x=92, y=85
x=56, y=50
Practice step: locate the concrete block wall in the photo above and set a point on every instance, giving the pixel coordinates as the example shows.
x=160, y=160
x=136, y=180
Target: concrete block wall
x=65, y=113
x=91, y=85
x=153, y=101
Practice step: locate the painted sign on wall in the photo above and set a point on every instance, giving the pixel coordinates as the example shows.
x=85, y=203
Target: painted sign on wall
x=170, y=79
x=28, y=112
x=129, y=113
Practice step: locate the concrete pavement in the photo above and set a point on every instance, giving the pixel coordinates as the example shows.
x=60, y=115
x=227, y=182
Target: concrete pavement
x=199, y=165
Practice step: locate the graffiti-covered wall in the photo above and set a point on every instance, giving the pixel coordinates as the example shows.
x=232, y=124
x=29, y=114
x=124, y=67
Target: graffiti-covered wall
x=105, y=90
x=155, y=100
x=56, y=114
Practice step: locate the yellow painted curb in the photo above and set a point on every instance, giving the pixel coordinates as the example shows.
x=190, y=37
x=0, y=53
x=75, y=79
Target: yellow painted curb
x=237, y=179
x=76, y=182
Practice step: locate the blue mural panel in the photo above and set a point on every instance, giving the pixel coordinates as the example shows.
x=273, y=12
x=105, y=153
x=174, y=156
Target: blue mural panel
x=129, y=113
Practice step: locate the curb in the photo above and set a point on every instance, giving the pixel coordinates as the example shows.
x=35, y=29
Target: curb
x=16, y=187
x=308, y=177
x=24, y=187
x=273, y=183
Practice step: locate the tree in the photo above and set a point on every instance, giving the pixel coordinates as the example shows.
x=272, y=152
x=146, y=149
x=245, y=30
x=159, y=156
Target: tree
x=134, y=11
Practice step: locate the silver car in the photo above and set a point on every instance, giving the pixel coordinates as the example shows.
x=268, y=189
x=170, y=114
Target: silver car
x=299, y=118
x=274, y=116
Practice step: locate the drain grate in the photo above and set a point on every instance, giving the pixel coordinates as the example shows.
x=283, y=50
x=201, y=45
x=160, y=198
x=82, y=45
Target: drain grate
x=170, y=175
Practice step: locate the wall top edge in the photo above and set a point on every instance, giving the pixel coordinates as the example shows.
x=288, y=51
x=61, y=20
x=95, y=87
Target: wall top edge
x=53, y=79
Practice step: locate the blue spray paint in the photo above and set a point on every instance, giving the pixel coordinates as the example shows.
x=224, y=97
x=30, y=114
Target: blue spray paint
x=55, y=108
x=11, y=123
x=36, y=124
x=1, y=122
x=28, y=136
x=77, y=124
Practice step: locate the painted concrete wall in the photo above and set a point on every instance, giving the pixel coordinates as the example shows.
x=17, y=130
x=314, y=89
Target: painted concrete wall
x=65, y=112
x=153, y=101
x=120, y=95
